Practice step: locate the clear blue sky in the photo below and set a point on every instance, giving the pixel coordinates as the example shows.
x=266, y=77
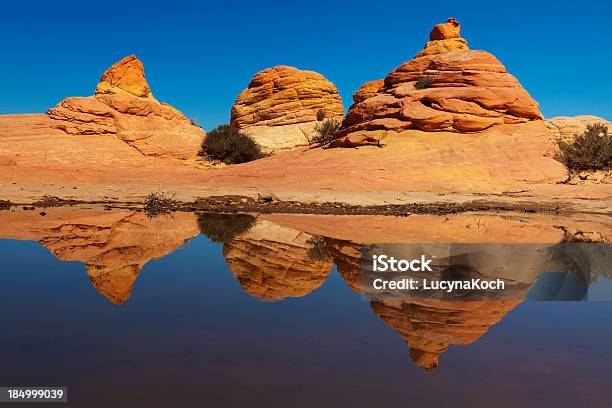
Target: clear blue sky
x=198, y=56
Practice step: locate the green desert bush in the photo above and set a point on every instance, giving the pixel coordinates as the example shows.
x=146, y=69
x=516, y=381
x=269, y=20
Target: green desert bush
x=230, y=146
x=591, y=150
x=423, y=82
x=326, y=131
x=221, y=228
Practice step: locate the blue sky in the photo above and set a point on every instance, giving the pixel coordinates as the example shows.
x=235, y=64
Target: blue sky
x=198, y=56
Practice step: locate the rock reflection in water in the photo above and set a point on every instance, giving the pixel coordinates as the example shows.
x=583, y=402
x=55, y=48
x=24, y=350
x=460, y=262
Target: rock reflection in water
x=113, y=245
x=271, y=262
x=291, y=256
x=428, y=326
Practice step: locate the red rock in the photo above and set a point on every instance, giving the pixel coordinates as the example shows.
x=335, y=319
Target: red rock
x=464, y=91
x=450, y=29
x=127, y=75
x=368, y=90
x=123, y=107
x=280, y=105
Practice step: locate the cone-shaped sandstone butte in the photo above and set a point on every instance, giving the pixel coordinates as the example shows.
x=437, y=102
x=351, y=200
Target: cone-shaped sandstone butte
x=280, y=105
x=124, y=107
x=445, y=87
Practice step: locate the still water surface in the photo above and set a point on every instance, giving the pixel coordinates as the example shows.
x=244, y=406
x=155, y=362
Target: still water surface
x=186, y=330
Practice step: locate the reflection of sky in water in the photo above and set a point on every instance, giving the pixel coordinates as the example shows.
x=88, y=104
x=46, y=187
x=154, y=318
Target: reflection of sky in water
x=189, y=335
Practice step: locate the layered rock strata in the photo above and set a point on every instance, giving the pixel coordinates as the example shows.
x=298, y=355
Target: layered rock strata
x=124, y=107
x=281, y=106
x=566, y=128
x=445, y=88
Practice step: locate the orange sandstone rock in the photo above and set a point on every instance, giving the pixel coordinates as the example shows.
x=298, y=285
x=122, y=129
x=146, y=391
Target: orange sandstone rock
x=445, y=38
x=127, y=75
x=280, y=105
x=450, y=29
x=567, y=127
x=446, y=87
x=123, y=107
x=368, y=90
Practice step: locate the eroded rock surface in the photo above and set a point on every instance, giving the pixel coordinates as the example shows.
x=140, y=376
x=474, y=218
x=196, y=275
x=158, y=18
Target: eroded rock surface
x=445, y=88
x=368, y=90
x=127, y=75
x=272, y=262
x=124, y=107
x=566, y=128
x=280, y=105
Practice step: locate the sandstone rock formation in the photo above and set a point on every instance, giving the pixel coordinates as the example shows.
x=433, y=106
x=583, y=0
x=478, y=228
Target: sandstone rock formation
x=272, y=262
x=113, y=245
x=445, y=87
x=444, y=38
x=126, y=75
x=123, y=107
x=368, y=90
x=280, y=105
x=565, y=128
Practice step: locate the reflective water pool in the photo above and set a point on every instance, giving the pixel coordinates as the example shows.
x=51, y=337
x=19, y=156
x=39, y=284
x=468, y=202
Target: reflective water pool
x=130, y=311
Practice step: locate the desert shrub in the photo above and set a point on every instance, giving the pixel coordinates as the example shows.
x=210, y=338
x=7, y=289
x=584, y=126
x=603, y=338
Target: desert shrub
x=224, y=227
x=591, y=150
x=229, y=145
x=423, y=82
x=321, y=115
x=326, y=131
x=159, y=203
x=318, y=249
